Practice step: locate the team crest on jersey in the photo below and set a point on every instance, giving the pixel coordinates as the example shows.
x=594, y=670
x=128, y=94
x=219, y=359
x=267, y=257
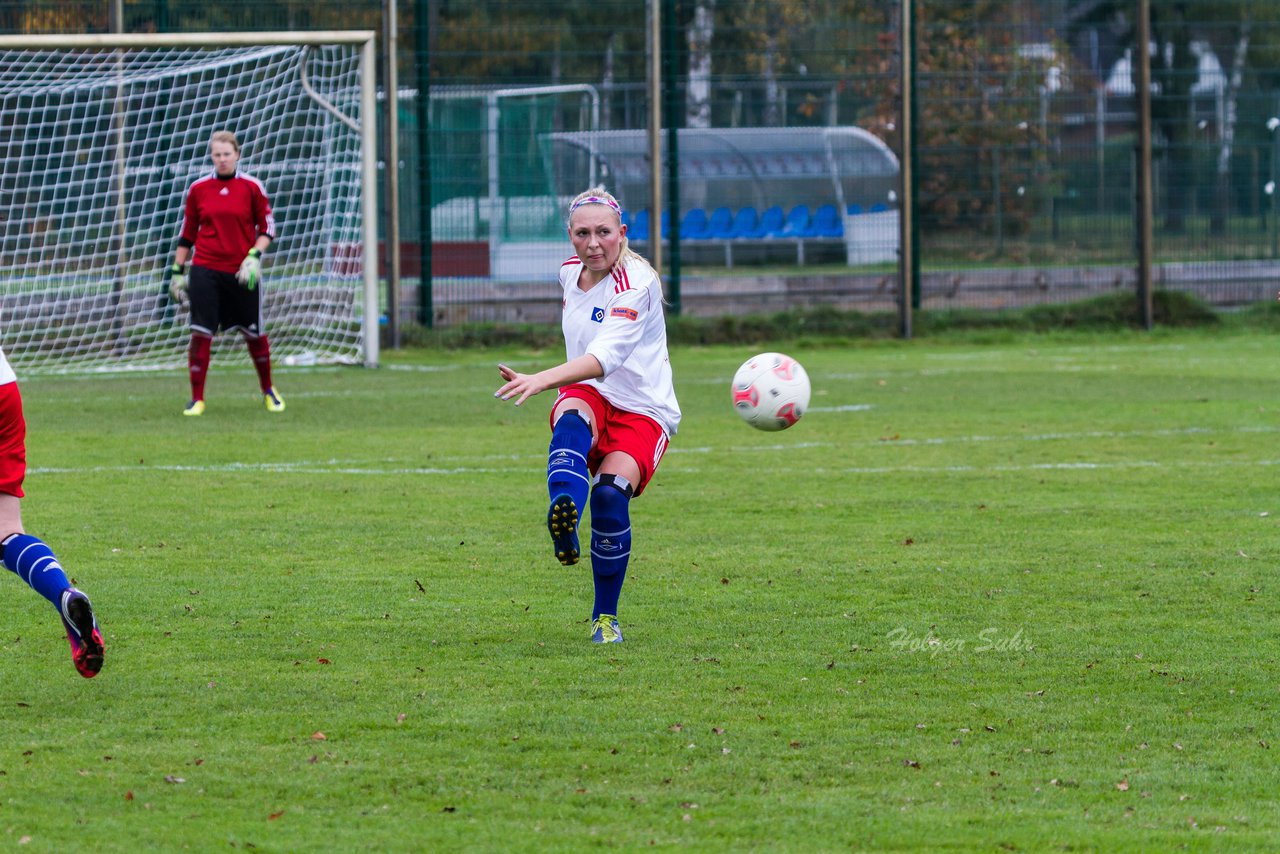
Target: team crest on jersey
x=628, y=313
x=224, y=192
x=597, y=314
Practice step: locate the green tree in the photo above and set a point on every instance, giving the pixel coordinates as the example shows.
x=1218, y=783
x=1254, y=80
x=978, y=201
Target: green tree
x=981, y=139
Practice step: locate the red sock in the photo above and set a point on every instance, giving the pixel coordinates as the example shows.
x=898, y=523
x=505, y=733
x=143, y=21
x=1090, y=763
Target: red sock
x=198, y=364
x=260, y=352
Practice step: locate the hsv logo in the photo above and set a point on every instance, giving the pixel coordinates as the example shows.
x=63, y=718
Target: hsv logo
x=224, y=192
x=597, y=314
x=628, y=313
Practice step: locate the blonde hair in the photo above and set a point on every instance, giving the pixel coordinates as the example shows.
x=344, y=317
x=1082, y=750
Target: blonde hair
x=225, y=136
x=598, y=195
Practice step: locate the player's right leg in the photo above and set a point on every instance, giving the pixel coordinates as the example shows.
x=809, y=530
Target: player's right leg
x=198, y=355
x=568, y=477
x=203, y=293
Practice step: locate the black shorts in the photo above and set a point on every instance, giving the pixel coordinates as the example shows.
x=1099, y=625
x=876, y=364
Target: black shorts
x=219, y=301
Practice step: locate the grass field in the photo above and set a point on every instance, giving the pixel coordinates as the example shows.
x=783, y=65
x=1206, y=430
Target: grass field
x=1012, y=593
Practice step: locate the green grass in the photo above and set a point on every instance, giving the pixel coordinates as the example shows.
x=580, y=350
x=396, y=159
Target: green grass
x=1012, y=595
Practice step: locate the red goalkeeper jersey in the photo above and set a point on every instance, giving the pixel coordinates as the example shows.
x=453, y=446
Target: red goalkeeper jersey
x=224, y=216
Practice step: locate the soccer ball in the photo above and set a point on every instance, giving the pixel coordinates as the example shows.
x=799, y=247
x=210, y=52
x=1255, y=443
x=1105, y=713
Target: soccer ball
x=771, y=391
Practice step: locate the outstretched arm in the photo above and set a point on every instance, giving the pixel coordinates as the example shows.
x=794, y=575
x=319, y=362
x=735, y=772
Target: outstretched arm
x=524, y=386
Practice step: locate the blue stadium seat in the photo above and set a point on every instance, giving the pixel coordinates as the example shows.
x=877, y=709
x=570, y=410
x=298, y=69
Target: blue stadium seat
x=799, y=223
x=853, y=209
x=879, y=207
x=666, y=224
x=827, y=222
x=720, y=227
x=772, y=221
x=745, y=223
x=626, y=218
x=639, y=228
x=693, y=226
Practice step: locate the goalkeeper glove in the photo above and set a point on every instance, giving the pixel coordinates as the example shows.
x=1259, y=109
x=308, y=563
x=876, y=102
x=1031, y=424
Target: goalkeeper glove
x=250, y=269
x=177, y=283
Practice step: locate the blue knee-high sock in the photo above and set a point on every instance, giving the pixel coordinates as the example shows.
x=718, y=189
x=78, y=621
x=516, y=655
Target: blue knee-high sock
x=610, y=541
x=34, y=562
x=567, y=460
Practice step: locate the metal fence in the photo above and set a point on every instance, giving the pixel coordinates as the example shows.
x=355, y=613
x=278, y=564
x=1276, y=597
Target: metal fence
x=1026, y=149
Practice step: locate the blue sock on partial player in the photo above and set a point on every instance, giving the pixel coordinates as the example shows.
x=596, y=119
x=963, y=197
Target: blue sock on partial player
x=567, y=472
x=34, y=562
x=610, y=541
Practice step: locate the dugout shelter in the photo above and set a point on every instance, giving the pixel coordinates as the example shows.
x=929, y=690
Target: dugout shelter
x=830, y=185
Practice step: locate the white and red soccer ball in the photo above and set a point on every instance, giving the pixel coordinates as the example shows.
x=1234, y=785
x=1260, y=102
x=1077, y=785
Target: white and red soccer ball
x=771, y=391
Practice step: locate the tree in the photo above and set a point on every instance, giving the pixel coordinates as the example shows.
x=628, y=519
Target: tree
x=700, y=31
x=981, y=141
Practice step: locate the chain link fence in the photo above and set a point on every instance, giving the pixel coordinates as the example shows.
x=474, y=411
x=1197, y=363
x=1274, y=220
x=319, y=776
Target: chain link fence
x=786, y=156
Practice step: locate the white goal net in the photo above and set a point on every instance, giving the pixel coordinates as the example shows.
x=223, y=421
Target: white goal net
x=100, y=137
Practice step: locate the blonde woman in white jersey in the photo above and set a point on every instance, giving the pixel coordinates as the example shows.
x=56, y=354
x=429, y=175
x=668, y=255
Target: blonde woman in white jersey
x=616, y=408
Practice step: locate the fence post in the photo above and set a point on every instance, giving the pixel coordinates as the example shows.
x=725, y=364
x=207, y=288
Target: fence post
x=1145, y=236
x=425, y=310
x=671, y=72
x=908, y=252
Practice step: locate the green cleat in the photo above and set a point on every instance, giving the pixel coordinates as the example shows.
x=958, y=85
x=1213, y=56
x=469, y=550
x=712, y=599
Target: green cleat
x=195, y=407
x=604, y=629
x=273, y=400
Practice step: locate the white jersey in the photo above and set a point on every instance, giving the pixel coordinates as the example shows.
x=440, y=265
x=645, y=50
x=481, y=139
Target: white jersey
x=6, y=371
x=620, y=322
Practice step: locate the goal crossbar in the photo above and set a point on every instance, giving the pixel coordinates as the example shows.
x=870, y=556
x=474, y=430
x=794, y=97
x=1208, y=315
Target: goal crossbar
x=363, y=257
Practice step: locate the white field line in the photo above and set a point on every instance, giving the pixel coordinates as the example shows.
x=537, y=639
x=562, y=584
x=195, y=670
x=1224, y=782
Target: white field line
x=390, y=467
x=411, y=471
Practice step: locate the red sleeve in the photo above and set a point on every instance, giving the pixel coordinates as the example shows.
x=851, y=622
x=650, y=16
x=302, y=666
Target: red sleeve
x=191, y=216
x=263, y=218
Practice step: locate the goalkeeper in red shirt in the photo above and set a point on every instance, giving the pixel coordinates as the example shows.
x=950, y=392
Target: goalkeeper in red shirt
x=226, y=228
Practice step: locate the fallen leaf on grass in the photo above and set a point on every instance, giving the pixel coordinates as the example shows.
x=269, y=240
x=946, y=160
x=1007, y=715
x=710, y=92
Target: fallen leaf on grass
x=275, y=815
x=169, y=778
x=1123, y=785
x=318, y=736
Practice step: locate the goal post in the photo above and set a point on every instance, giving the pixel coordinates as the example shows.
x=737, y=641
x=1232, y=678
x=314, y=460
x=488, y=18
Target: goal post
x=100, y=136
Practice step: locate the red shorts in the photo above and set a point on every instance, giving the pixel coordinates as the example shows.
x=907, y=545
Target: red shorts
x=638, y=436
x=13, y=441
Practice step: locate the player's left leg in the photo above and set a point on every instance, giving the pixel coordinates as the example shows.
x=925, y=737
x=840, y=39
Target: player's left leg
x=28, y=557
x=260, y=352
x=244, y=315
x=610, y=541
x=631, y=445
x=34, y=562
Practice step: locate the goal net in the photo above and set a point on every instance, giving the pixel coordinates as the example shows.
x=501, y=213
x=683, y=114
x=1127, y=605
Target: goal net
x=100, y=137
